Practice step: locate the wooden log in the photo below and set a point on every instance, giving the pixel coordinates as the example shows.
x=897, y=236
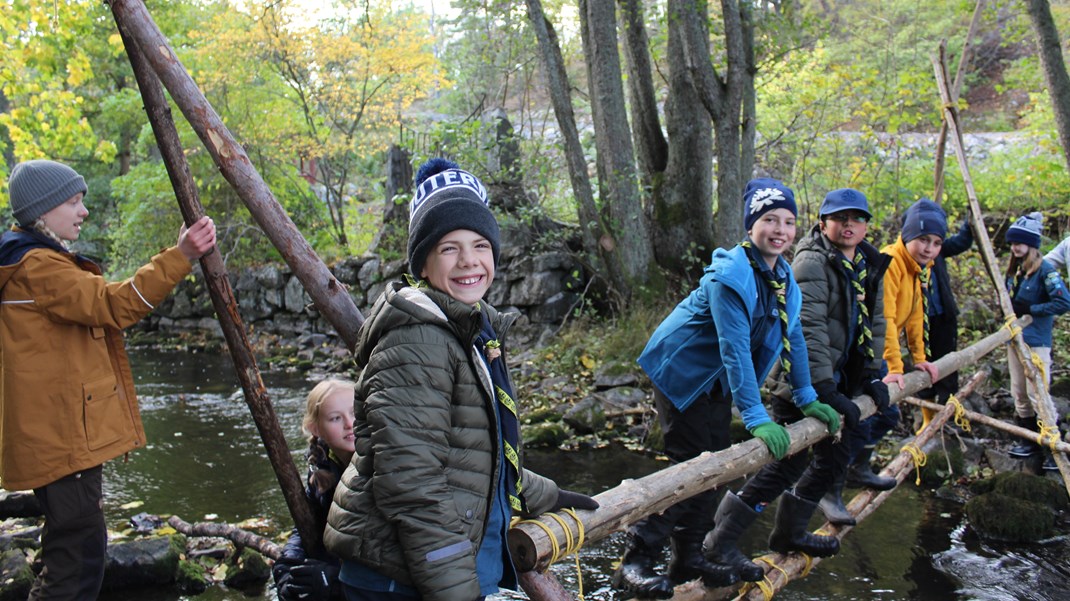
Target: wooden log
x=226, y=306
x=956, y=89
x=1044, y=407
x=632, y=500
x=991, y=422
x=542, y=586
x=239, y=537
x=328, y=294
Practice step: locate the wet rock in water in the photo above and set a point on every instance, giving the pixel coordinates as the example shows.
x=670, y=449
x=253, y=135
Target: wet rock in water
x=142, y=562
x=20, y=533
x=997, y=516
x=191, y=577
x=16, y=577
x=145, y=523
x=586, y=416
x=250, y=571
x=545, y=434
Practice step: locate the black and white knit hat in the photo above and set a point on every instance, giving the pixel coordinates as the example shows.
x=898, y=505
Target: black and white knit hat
x=38, y=186
x=447, y=198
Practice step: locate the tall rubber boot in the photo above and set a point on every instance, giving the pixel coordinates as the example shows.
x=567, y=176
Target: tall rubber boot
x=832, y=504
x=792, y=534
x=689, y=563
x=926, y=417
x=1024, y=449
x=732, y=520
x=636, y=573
x=860, y=473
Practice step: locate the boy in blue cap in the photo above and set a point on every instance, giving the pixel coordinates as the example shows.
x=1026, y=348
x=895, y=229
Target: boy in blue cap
x=712, y=352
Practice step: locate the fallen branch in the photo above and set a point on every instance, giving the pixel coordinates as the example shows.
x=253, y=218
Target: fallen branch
x=242, y=538
x=991, y=422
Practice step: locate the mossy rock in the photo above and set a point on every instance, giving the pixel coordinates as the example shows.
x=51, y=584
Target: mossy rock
x=191, y=578
x=542, y=415
x=251, y=570
x=997, y=516
x=1025, y=486
x=15, y=575
x=546, y=434
x=935, y=471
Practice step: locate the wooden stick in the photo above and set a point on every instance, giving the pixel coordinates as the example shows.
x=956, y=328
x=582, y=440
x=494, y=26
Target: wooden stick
x=240, y=537
x=543, y=586
x=226, y=306
x=956, y=89
x=1044, y=406
x=328, y=294
x=632, y=500
x=991, y=422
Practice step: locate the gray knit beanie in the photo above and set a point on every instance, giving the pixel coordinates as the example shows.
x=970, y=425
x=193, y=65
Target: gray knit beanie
x=36, y=187
x=447, y=198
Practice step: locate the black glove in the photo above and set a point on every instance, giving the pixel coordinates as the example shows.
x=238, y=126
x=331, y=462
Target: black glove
x=1021, y=308
x=877, y=390
x=312, y=579
x=575, y=500
x=827, y=394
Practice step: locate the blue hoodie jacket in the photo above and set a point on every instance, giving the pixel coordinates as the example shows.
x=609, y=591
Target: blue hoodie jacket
x=708, y=338
x=1046, y=294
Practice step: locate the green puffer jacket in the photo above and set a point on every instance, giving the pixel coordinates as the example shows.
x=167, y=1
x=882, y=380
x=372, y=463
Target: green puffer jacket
x=827, y=297
x=413, y=504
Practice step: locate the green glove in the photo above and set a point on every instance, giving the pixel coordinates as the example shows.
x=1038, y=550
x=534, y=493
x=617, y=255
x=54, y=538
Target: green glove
x=775, y=437
x=824, y=413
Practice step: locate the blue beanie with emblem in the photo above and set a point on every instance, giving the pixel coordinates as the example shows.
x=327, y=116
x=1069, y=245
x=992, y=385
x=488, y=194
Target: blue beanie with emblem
x=1026, y=230
x=924, y=217
x=765, y=194
x=447, y=198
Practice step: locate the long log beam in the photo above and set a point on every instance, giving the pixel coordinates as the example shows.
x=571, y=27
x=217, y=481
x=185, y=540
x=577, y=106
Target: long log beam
x=328, y=294
x=632, y=500
x=1044, y=407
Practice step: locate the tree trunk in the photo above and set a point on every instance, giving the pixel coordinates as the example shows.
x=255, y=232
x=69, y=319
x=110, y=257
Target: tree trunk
x=330, y=297
x=596, y=239
x=617, y=182
x=651, y=149
x=1049, y=47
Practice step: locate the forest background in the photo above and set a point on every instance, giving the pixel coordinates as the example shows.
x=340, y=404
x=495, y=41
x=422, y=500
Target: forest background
x=673, y=104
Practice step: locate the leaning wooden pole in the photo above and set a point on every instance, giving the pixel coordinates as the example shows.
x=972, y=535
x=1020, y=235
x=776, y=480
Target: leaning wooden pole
x=956, y=89
x=226, y=306
x=328, y=294
x=991, y=422
x=1045, y=409
x=531, y=545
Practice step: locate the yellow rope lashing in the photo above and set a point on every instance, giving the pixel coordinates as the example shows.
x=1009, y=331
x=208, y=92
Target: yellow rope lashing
x=1015, y=330
x=573, y=543
x=919, y=458
x=764, y=585
x=1039, y=364
x=960, y=413
x=1049, y=435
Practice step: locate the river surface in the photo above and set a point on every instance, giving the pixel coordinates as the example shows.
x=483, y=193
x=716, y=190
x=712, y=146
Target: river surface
x=205, y=460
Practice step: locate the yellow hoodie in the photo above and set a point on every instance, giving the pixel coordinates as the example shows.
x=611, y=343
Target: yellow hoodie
x=903, y=307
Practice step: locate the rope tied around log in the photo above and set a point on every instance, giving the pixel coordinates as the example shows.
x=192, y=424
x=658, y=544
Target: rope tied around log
x=960, y=413
x=1014, y=330
x=919, y=458
x=1048, y=435
x=573, y=543
x=764, y=584
x=1039, y=364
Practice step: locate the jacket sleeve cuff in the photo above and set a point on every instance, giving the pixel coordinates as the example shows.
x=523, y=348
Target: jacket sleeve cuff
x=804, y=396
x=755, y=416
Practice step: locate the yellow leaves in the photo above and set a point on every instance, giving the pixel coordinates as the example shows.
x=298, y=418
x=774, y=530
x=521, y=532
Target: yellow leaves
x=587, y=362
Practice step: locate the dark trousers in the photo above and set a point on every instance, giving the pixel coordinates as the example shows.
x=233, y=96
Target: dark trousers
x=703, y=426
x=943, y=339
x=359, y=594
x=74, y=538
x=814, y=474
x=871, y=430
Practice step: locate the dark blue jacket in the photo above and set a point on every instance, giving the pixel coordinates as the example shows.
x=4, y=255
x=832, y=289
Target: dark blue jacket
x=708, y=338
x=1046, y=294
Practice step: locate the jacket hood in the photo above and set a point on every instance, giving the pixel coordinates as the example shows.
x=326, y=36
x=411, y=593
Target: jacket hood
x=14, y=245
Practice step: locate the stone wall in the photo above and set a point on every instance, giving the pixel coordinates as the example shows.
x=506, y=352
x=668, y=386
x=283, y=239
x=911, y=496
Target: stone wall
x=544, y=286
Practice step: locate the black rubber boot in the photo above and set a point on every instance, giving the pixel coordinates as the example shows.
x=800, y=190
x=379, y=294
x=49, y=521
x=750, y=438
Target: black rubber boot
x=860, y=473
x=832, y=504
x=636, y=573
x=732, y=520
x=791, y=534
x=1024, y=449
x=1049, y=464
x=689, y=563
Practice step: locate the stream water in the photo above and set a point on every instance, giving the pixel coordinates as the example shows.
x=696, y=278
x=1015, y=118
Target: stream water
x=205, y=459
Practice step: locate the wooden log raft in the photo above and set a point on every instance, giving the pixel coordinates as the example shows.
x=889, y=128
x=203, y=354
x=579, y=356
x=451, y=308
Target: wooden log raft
x=532, y=548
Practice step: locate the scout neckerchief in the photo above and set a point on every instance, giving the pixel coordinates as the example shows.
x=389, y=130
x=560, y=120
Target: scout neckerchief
x=490, y=348
x=779, y=286
x=856, y=274
x=923, y=277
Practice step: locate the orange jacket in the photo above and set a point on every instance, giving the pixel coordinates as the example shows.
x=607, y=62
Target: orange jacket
x=903, y=307
x=67, y=401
